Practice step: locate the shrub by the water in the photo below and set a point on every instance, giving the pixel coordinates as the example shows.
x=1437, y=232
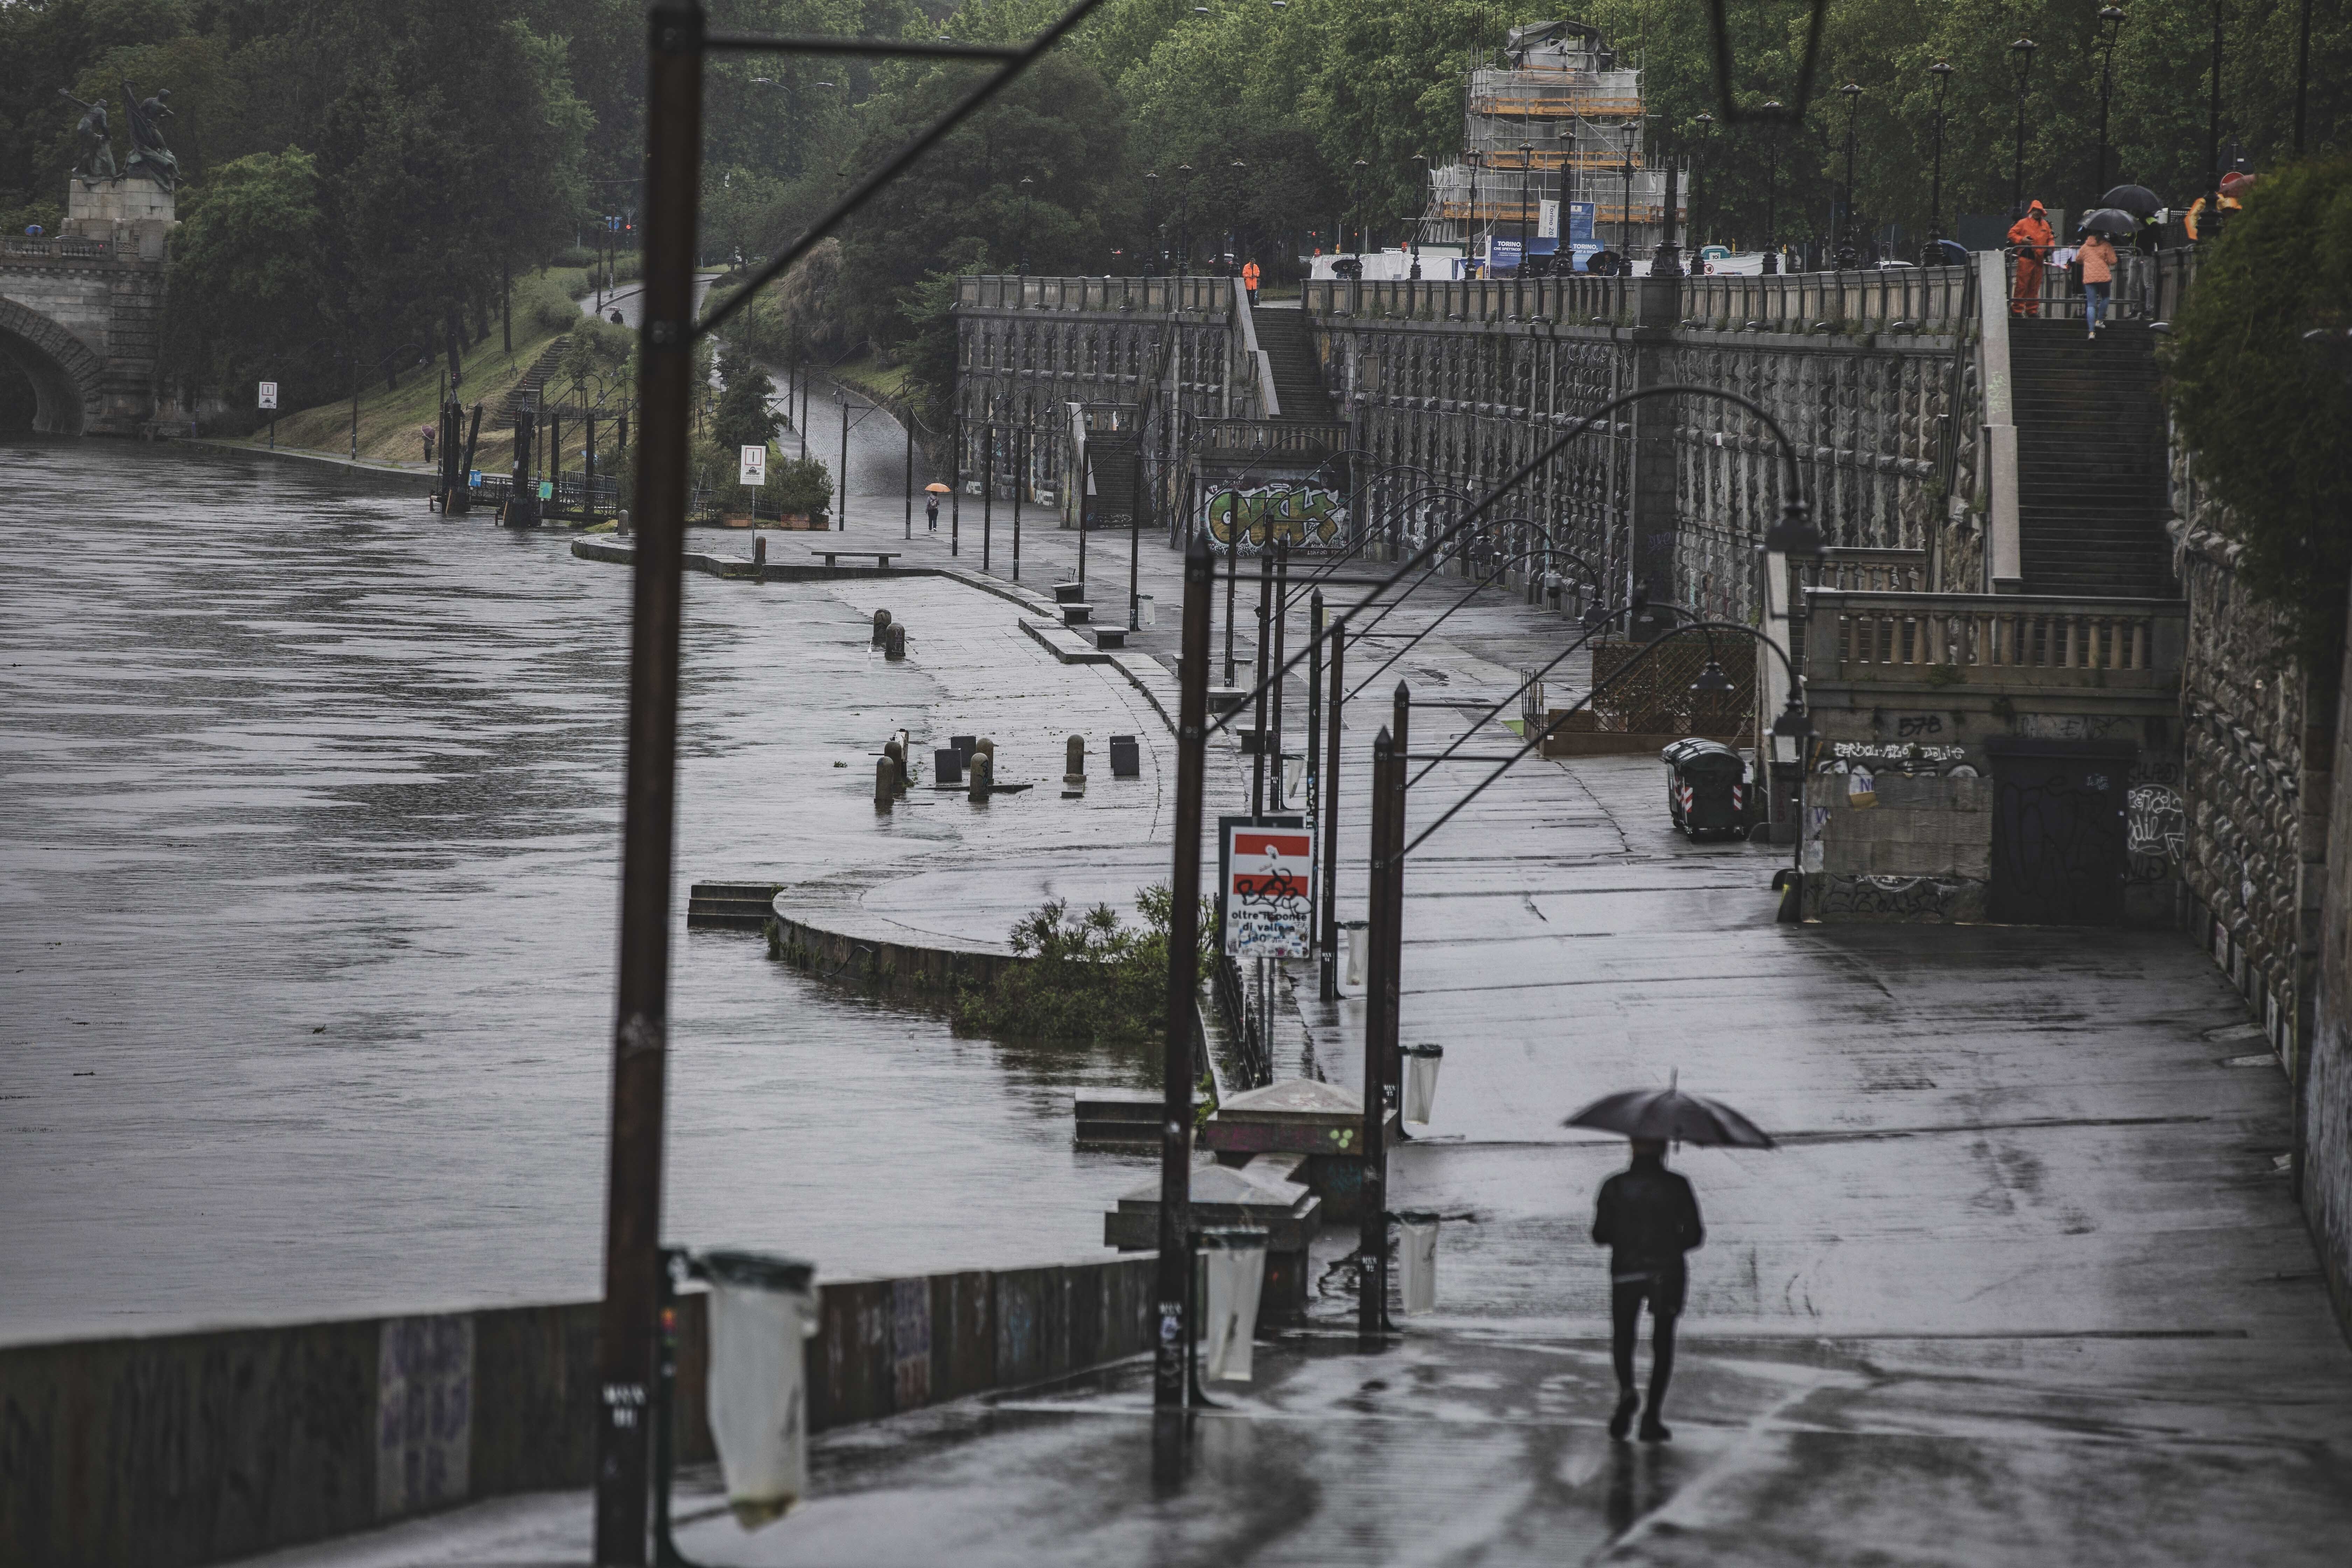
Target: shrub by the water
x=1086, y=978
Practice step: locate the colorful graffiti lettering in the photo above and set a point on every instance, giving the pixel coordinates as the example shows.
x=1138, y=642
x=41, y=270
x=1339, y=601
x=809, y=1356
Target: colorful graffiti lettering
x=1269, y=513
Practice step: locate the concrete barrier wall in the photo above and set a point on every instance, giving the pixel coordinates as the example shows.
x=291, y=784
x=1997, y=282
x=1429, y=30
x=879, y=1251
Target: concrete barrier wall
x=197, y=1448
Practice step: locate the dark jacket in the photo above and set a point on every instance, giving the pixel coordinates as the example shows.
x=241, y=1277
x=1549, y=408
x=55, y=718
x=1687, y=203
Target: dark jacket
x=1647, y=1217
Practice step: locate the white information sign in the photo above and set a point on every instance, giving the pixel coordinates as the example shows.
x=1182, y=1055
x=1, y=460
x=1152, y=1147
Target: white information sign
x=755, y=466
x=1269, y=891
x=1547, y=220
x=270, y=395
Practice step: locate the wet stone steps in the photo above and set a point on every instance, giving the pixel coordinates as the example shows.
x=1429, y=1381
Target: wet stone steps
x=730, y=906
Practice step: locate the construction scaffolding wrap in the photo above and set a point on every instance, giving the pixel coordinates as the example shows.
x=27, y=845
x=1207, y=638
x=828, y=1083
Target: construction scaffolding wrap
x=1552, y=162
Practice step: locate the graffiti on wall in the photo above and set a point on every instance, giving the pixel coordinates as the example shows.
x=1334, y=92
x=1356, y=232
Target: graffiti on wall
x=425, y=1413
x=1265, y=514
x=1948, y=900
x=2155, y=832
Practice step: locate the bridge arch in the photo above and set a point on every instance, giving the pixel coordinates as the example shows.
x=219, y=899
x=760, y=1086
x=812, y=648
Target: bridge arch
x=62, y=367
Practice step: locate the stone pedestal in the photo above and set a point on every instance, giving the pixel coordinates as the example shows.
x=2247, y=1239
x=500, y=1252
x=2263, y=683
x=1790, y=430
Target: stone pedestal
x=131, y=211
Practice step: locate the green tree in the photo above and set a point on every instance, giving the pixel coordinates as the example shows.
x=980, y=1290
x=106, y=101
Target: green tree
x=246, y=284
x=743, y=418
x=2264, y=409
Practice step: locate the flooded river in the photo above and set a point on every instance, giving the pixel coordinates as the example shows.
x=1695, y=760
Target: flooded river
x=309, y=875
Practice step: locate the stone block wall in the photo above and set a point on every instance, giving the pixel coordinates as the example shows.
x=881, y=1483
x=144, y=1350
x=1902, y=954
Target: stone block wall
x=197, y=1448
x=2323, y=1129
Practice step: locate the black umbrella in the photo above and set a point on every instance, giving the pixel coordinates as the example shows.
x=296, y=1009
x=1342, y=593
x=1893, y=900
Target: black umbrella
x=2136, y=200
x=2110, y=220
x=1670, y=1114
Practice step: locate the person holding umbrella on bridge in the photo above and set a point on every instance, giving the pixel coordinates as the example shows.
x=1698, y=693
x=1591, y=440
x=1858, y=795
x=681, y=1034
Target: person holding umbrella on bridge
x=1648, y=1218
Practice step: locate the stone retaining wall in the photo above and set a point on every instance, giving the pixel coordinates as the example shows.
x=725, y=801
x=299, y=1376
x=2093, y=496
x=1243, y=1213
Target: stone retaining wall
x=195, y=1448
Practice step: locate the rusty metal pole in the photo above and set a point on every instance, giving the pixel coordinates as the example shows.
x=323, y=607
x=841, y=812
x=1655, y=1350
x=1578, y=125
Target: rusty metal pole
x=1329, y=824
x=1372, y=1229
x=626, y=1326
x=1262, y=666
x=1174, y=1276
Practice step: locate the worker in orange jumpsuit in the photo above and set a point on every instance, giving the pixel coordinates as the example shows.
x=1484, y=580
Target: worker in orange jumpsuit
x=2029, y=239
x=1249, y=280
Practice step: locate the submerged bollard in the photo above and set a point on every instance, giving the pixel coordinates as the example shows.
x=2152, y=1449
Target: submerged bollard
x=982, y=773
x=1073, y=769
x=894, y=642
x=885, y=782
x=759, y=550
x=881, y=627
x=895, y=753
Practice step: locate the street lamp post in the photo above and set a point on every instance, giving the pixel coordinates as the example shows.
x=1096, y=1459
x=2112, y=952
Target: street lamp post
x=1625, y=213
x=1771, y=180
x=1846, y=254
x=1527, y=167
x=1027, y=221
x=1698, y=210
x=2113, y=16
x=1151, y=222
x=1934, y=257
x=1184, y=223
x=2210, y=224
x=1362, y=244
x=2023, y=50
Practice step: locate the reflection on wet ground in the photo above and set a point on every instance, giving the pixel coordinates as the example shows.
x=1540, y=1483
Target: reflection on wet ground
x=307, y=905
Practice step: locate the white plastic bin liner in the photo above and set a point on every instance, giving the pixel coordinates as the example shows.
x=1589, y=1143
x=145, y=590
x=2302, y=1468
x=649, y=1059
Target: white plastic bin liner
x=1359, y=948
x=1235, y=1264
x=1417, y=1251
x=1421, y=1082
x=762, y=1311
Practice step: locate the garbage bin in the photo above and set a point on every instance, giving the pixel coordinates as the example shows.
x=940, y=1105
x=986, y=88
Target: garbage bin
x=946, y=765
x=1706, y=788
x=762, y=1311
x=1359, y=948
x=1234, y=1259
x=1417, y=1255
x=1421, y=1082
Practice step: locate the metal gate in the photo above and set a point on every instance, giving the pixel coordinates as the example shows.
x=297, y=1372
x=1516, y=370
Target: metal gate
x=2058, y=833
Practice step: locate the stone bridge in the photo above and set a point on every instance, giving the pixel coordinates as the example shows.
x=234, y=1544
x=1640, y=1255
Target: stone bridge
x=81, y=314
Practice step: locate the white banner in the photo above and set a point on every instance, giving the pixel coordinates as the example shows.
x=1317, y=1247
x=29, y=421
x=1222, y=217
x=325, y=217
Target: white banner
x=1269, y=902
x=1547, y=220
x=754, y=470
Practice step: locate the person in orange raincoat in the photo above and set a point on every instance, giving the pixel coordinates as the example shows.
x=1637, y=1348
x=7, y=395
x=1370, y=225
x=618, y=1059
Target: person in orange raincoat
x=1249, y=280
x=2029, y=239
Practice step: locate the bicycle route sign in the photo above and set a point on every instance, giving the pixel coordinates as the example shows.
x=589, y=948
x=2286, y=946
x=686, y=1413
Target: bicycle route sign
x=1268, y=892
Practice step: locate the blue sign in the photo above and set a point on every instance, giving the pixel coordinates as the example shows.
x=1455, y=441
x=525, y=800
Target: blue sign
x=1502, y=255
x=613, y=221
x=1579, y=222
x=1583, y=251
x=474, y=478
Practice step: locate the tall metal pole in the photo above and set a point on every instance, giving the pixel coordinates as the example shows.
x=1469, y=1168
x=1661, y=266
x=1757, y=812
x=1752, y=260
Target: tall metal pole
x=1173, y=1281
x=1942, y=71
x=1327, y=823
x=1233, y=568
x=2302, y=76
x=627, y=1321
x=2024, y=50
x=1021, y=455
x=1848, y=253
x=1275, y=664
x=841, y=512
x=2113, y=16
x=2210, y=225
x=955, y=489
x=987, y=493
x=1263, y=667
x=1312, y=741
x=1772, y=184
x=1085, y=474
x=1372, y=1227
x=910, y=478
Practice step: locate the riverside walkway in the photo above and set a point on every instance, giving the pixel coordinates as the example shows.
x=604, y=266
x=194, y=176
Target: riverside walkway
x=2025, y=1282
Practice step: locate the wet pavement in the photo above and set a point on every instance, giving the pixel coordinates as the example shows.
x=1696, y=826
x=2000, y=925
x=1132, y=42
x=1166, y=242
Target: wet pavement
x=2025, y=1282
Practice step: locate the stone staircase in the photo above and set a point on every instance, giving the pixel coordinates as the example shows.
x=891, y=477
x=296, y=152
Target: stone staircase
x=1297, y=374
x=2090, y=460
x=729, y=906
x=523, y=396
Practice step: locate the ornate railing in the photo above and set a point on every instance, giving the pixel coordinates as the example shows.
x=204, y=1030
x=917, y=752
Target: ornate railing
x=1930, y=299
x=1945, y=639
x=59, y=247
x=1289, y=438
x=1579, y=297
x=1876, y=571
x=1152, y=296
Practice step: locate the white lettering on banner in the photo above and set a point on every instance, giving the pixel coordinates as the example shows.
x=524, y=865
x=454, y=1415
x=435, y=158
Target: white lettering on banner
x=1269, y=902
x=1864, y=750
x=1547, y=220
x=754, y=470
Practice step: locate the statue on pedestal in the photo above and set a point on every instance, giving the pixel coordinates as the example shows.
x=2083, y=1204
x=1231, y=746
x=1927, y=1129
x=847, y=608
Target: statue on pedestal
x=96, y=139
x=149, y=156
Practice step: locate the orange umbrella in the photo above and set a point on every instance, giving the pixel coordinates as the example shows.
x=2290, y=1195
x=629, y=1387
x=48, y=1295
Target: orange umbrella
x=938, y=489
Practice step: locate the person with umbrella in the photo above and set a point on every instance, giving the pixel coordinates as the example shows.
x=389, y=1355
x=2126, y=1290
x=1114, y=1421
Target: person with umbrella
x=932, y=507
x=1648, y=1218
x=2098, y=259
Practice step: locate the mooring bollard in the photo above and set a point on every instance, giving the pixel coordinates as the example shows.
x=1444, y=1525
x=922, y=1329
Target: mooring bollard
x=896, y=755
x=885, y=782
x=982, y=773
x=759, y=550
x=881, y=627
x=894, y=646
x=1074, y=767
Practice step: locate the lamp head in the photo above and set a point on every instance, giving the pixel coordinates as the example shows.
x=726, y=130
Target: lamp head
x=1713, y=679
x=1793, y=723
x=1852, y=89
x=1940, y=68
x=1794, y=534
x=2113, y=15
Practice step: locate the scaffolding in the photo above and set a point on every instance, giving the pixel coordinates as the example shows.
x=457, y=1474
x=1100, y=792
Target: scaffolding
x=1561, y=122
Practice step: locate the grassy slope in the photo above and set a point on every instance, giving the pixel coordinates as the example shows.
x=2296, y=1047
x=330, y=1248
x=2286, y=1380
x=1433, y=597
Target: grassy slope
x=389, y=418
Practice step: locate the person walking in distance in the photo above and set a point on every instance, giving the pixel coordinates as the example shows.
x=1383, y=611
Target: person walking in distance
x=1647, y=1217
x=931, y=514
x=1249, y=280
x=427, y=433
x=2029, y=239
x=2098, y=259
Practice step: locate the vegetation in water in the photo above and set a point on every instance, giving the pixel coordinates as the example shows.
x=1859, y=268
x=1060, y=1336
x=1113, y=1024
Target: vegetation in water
x=1083, y=979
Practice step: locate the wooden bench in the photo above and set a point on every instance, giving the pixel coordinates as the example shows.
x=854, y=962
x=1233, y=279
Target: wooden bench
x=882, y=558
